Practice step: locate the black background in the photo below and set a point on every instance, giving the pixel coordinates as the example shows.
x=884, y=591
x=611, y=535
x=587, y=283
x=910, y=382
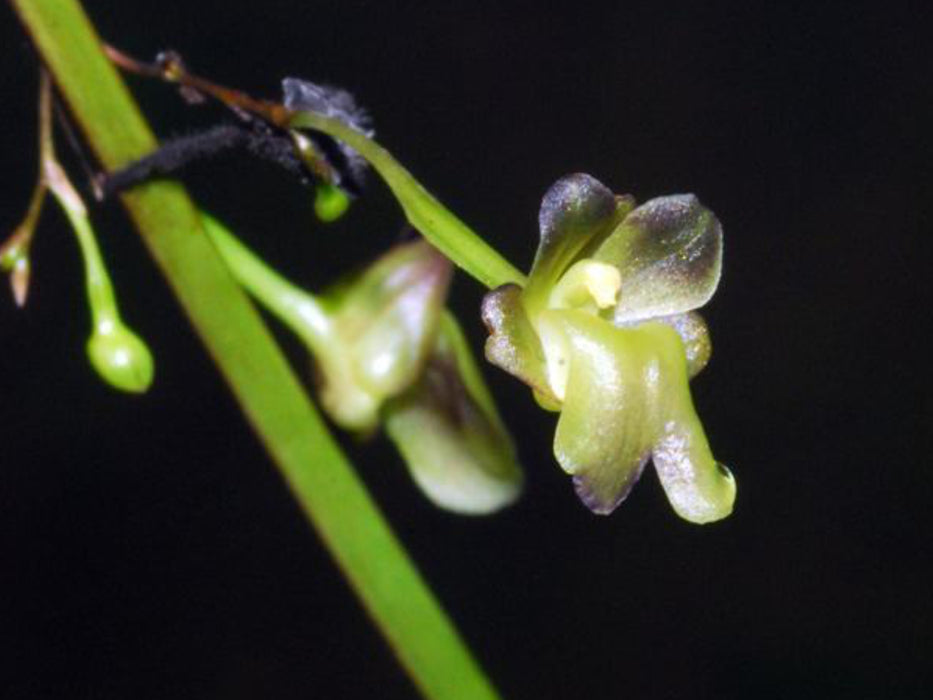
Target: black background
x=149, y=549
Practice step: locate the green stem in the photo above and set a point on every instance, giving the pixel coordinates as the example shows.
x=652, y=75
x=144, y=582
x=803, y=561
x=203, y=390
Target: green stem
x=323, y=482
x=438, y=224
x=298, y=309
x=99, y=287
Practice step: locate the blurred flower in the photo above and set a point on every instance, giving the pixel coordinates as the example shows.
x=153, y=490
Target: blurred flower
x=376, y=331
x=14, y=260
x=388, y=354
x=605, y=332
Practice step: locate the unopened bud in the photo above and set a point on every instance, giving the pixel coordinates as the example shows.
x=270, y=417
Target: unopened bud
x=330, y=202
x=120, y=357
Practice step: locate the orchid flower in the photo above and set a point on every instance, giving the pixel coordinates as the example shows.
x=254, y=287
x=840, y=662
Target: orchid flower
x=388, y=354
x=605, y=332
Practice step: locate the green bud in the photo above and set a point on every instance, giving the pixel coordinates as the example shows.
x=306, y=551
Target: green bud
x=120, y=357
x=330, y=202
x=370, y=335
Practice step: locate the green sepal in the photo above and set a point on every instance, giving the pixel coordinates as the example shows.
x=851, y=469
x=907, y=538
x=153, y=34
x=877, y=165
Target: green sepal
x=450, y=435
x=669, y=253
x=698, y=347
x=576, y=210
x=388, y=317
x=384, y=324
x=513, y=343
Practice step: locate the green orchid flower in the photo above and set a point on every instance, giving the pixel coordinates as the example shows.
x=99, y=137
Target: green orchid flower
x=388, y=355
x=605, y=331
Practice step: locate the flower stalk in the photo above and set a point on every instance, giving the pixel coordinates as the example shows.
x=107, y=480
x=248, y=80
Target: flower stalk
x=423, y=211
x=350, y=524
x=118, y=355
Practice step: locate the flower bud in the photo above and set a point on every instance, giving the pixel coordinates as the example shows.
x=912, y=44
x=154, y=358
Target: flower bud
x=388, y=353
x=120, y=357
x=14, y=252
x=330, y=202
x=383, y=326
x=14, y=260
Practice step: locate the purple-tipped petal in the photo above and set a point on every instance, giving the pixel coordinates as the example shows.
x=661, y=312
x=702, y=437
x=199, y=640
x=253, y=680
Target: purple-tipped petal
x=575, y=210
x=669, y=252
x=700, y=489
x=695, y=336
